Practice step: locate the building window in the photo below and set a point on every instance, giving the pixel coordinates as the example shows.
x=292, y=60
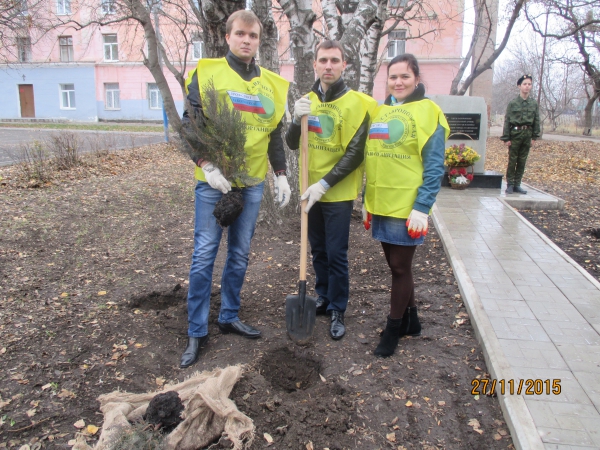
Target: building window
x=154, y=97
x=24, y=49
x=111, y=47
x=21, y=7
x=66, y=48
x=63, y=7
x=67, y=96
x=397, y=3
x=109, y=6
x=197, y=50
x=396, y=43
x=112, y=96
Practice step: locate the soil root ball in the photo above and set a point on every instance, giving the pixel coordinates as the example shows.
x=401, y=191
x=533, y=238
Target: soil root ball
x=165, y=409
x=229, y=208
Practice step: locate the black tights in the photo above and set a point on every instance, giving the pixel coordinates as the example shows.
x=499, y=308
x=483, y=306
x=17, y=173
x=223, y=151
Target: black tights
x=399, y=258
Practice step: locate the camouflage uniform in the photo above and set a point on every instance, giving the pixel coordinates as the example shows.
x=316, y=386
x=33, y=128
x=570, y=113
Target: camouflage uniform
x=521, y=125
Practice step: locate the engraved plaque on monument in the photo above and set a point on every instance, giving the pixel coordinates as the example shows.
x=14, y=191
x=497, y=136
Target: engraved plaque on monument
x=463, y=126
x=468, y=120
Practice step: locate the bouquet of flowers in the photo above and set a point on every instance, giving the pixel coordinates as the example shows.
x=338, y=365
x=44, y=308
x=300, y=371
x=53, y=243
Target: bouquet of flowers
x=460, y=155
x=460, y=176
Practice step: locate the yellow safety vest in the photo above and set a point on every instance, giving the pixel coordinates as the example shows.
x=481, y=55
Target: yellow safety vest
x=262, y=104
x=393, y=162
x=331, y=127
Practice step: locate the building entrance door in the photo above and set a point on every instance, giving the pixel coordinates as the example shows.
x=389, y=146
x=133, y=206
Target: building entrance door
x=26, y=98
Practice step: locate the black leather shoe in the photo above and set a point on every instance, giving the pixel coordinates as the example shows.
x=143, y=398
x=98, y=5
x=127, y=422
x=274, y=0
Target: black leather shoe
x=519, y=190
x=338, y=329
x=240, y=328
x=322, y=306
x=510, y=189
x=192, y=351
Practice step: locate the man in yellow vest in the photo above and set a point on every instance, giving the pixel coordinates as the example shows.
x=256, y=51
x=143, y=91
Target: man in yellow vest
x=338, y=125
x=260, y=95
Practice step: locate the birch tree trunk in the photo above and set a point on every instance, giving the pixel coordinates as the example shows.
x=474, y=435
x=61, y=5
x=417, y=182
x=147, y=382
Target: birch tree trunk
x=212, y=16
x=269, y=58
x=301, y=17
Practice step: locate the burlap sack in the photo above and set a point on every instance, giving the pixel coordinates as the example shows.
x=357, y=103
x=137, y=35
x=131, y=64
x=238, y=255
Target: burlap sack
x=208, y=414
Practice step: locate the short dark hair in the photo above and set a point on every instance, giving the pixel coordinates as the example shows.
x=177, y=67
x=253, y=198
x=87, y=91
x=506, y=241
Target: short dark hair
x=247, y=17
x=327, y=44
x=408, y=58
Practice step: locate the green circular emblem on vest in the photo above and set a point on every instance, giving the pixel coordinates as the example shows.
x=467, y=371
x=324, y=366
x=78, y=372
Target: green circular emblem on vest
x=268, y=105
x=395, y=130
x=327, y=125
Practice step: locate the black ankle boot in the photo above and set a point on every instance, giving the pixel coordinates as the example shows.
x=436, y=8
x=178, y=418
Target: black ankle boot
x=389, y=338
x=410, y=323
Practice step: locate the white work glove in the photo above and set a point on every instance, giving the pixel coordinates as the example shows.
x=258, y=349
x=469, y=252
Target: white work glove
x=215, y=178
x=313, y=194
x=282, y=190
x=301, y=108
x=417, y=223
x=366, y=217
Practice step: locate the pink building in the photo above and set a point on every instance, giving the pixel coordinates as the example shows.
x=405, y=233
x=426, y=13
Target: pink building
x=98, y=73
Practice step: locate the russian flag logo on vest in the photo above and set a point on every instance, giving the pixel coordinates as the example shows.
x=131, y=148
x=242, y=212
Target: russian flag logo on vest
x=379, y=131
x=246, y=102
x=314, y=124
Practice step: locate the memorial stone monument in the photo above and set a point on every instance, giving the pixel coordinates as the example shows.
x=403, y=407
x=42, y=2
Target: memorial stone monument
x=468, y=120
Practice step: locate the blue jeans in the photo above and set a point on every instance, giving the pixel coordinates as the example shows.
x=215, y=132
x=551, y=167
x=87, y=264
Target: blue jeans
x=328, y=233
x=207, y=237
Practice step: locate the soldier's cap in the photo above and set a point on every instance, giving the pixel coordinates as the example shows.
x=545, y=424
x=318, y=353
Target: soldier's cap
x=523, y=78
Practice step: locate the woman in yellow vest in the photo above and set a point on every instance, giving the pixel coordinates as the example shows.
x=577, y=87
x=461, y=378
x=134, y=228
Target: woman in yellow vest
x=404, y=164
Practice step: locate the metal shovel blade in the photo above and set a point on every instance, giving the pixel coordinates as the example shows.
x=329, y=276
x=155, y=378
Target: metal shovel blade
x=300, y=314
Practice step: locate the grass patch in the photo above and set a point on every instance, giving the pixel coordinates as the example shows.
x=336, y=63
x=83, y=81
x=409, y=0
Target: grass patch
x=153, y=128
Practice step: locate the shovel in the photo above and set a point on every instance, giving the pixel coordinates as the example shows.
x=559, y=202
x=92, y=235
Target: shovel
x=301, y=309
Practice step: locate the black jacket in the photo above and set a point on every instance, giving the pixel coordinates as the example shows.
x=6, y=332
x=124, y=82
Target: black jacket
x=355, y=151
x=249, y=71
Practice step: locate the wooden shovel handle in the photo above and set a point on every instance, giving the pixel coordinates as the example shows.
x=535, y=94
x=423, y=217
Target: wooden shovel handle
x=304, y=186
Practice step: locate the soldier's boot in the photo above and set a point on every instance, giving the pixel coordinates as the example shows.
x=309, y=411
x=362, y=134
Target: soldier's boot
x=509, y=189
x=519, y=190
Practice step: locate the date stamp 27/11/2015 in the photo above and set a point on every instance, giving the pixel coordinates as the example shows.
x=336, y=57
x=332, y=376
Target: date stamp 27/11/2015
x=510, y=386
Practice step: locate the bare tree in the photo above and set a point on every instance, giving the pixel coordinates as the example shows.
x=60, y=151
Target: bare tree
x=22, y=24
x=577, y=22
x=359, y=26
x=484, y=27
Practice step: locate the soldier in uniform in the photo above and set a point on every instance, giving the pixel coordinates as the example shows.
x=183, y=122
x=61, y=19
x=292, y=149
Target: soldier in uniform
x=521, y=129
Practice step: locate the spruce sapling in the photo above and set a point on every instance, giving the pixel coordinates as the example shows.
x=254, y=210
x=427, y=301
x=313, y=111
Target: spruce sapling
x=219, y=136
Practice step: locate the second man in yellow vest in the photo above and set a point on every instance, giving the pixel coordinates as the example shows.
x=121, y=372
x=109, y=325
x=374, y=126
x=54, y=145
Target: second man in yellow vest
x=338, y=125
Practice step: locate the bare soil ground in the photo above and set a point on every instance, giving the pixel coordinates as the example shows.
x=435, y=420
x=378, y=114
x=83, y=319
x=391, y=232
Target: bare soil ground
x=93, y=282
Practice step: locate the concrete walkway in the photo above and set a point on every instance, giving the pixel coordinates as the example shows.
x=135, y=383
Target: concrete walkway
x=535, y=311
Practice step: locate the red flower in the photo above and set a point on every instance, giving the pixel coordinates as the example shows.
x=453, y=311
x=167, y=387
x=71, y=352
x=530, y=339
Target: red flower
x=454, y=172
x=462, y=171
x=470, y=177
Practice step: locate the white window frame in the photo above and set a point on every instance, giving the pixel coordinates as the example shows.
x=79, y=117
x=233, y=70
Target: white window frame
x=112, y=96
x=67, y=101
x=154, y=96
x=65, y=43
x=24, y=49
x=63, y=7
x=197, y=49
x=396, y=43
x=112, y=48
x=108, y=6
